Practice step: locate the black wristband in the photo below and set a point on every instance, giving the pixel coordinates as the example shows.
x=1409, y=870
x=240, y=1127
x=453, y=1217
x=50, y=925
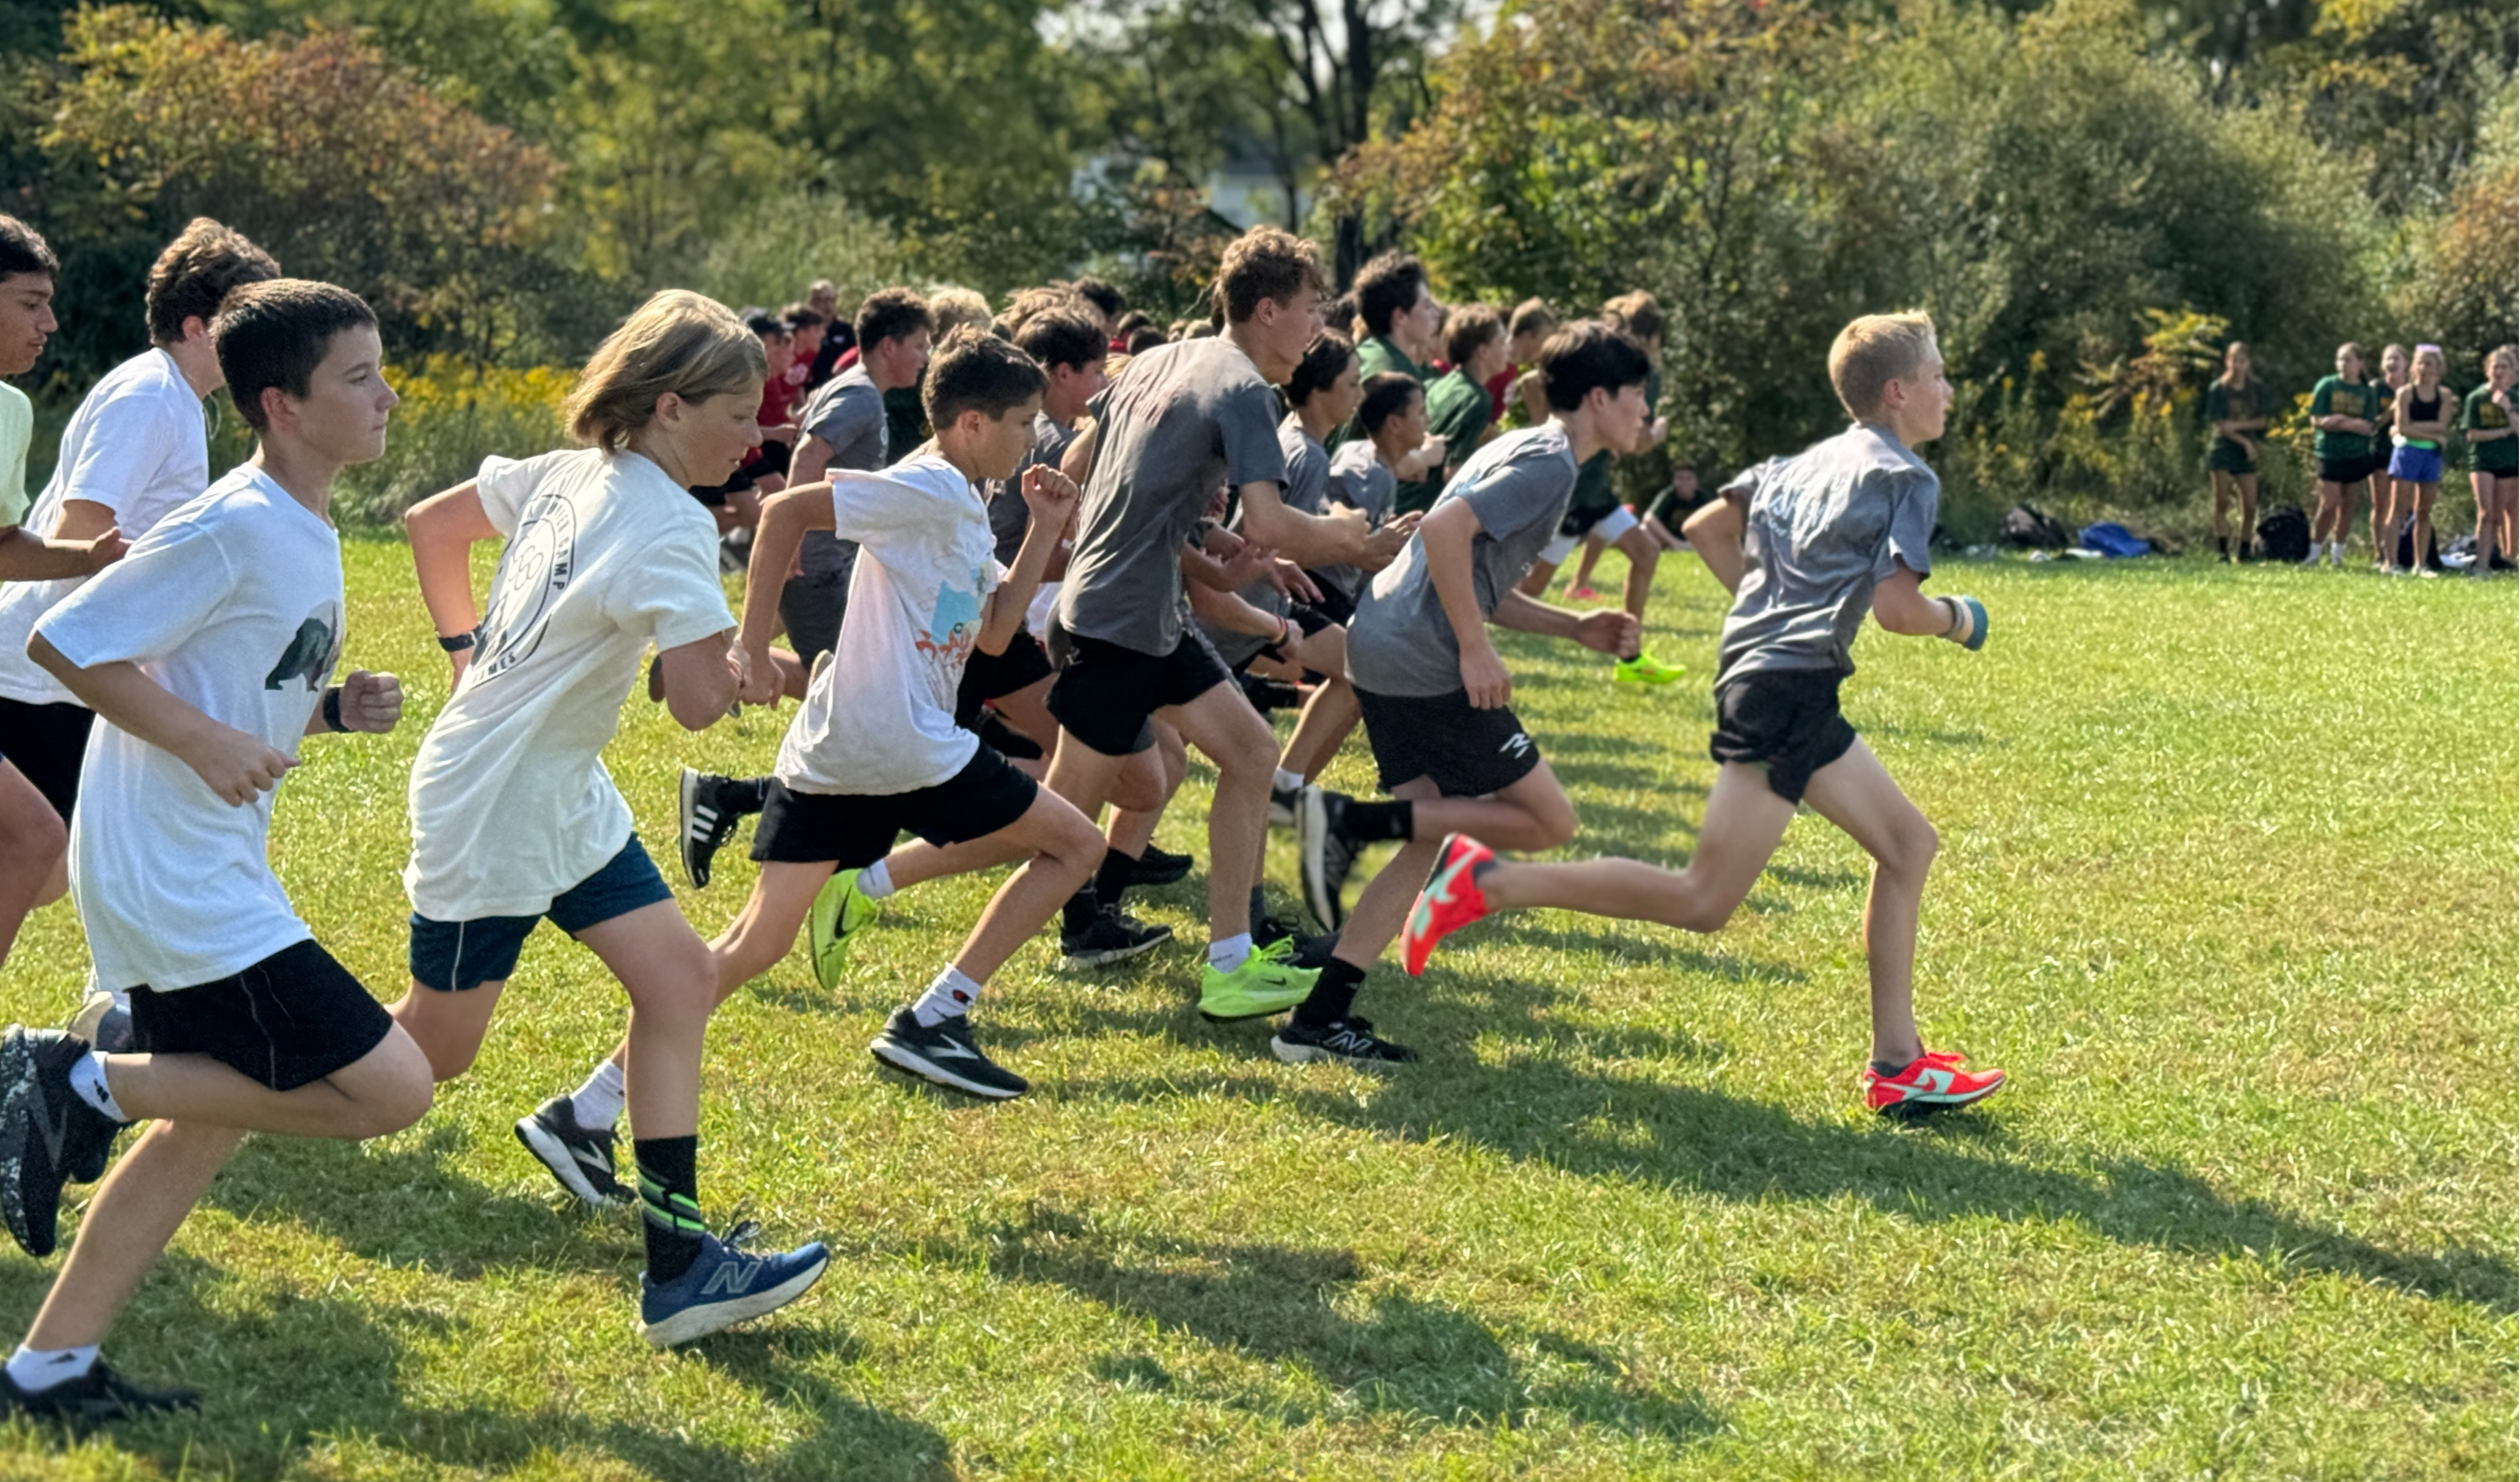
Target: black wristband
x=456, y=645
x=332, y=708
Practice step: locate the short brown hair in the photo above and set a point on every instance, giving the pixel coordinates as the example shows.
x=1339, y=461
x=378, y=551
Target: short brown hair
x=891, y=314
x=194, y=276
x=275, y=333
x=1028, y=304
x=1265, y=262
x=1324, y=360
x=1468, y=330
x=1062, y=335
x=977, y=369
x=1875, y=350
x=1635, y=315
x=1532, y=316
x=22, y=250
x=1387, y=394
x=678, y=341
x=1386, y=286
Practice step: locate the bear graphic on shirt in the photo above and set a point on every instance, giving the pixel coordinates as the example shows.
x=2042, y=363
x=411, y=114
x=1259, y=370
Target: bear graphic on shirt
x=955, y=624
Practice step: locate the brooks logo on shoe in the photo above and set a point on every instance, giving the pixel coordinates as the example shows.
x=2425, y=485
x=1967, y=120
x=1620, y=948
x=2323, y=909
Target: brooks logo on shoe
x=593, y=1157
x=953, y=1052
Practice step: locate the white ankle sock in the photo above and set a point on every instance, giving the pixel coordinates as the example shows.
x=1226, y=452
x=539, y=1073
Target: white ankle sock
x=1230, y=953
x=87, y=1079
x=950, y=997
x=597, y=1104
x=1289, y=782
x=875, y=881
x=40, y=1368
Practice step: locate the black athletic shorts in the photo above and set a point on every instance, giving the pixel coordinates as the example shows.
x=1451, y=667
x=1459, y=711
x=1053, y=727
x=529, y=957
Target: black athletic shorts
x=47, y=744
x=1785, y=719
x=990, y=676
x=288, y=1020
x=1107, y=694
x=1466, y=751
x=812, y=607
x=1308, y=620
x=853, y=830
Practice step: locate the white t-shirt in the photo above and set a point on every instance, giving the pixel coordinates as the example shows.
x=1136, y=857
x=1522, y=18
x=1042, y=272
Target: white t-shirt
x=233, y=602
x=17, y=434
x=880, y=718
x=509, y=802
x=136, y=445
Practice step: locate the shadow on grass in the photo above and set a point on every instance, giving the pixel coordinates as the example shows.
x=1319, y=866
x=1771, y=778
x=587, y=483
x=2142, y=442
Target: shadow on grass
x=1284, y=1304
x=288, y=1381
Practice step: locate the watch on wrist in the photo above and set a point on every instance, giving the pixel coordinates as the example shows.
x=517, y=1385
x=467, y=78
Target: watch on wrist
x=332, y=709
x=456, y=645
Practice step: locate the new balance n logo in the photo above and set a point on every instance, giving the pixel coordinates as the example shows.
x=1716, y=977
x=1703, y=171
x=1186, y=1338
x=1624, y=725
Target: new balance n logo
x=733, y=1277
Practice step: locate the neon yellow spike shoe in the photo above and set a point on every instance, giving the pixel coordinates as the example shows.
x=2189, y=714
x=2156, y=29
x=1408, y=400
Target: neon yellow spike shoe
x=1645, y=670
x=840, y=913
x=1266, y=983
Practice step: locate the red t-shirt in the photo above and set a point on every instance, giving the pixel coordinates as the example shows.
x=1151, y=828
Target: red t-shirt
x=1498, y=385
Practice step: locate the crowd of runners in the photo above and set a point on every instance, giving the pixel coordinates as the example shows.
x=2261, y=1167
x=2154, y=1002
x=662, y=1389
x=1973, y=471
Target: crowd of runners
x=1004, y=617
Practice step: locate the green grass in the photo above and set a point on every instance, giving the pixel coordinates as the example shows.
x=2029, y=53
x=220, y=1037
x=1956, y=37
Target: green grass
x=2227, y=883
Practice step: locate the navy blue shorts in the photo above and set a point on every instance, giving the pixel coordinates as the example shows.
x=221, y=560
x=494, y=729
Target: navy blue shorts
x=453, y=956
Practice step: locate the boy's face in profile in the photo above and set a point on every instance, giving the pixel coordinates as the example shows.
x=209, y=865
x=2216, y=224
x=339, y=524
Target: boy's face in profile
x=808, y=342
x=1341, y=397
x=1625, y=416
x=26, y=320
x=1925, y=401
x=343, y=416
x=1079, y=385
x=998, y=444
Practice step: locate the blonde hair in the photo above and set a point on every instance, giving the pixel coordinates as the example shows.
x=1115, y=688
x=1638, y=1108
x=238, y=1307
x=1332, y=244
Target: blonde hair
x=953, y=307
x=678, y=341
x=1875, y=350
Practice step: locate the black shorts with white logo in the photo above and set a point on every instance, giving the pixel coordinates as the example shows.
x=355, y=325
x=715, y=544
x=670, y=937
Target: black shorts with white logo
x=1464, y=750
x=993, y=676
x=1107, y=694
x=853, y=830
x=288, y=1020
x=1786, y=720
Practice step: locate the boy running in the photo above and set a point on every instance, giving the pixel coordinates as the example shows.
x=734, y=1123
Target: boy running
x=206, y=654
x=1833, y=532
x=514, y=818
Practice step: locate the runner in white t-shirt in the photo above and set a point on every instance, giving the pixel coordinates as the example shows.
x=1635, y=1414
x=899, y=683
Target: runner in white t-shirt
x=514, y=818
x=874, y=753
x=135, y=449
x=206, y=655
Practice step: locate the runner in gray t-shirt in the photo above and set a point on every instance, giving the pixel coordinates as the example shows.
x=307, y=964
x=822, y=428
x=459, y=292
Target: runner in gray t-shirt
x=846, y=417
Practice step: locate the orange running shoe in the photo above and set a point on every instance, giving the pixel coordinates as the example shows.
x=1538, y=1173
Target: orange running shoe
x=1449, y=901
x=1936, y=1081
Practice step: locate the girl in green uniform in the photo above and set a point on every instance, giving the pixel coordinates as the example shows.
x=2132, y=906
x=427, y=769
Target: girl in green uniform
x=2494, y=456
x=2345, y=409
x=2236, y=407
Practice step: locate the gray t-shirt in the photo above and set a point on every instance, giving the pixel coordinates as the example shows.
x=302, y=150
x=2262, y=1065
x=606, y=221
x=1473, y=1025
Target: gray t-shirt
x=847, y=413
x=1307, y=477
x=1822, y=528
x=1009, y=518
x=1363, y=481
x=1400, y=642
x=1183, y=419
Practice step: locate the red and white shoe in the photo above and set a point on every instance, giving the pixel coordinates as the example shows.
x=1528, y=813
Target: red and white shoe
x=1451, y=900
x=1935, y=1082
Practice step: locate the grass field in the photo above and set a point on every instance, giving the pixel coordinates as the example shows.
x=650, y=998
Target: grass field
x=2227, y=883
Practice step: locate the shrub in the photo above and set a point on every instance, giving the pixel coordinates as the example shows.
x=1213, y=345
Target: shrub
x=452, y=416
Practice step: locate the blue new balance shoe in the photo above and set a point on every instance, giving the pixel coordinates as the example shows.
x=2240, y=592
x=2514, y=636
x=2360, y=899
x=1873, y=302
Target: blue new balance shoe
x=725, y=1287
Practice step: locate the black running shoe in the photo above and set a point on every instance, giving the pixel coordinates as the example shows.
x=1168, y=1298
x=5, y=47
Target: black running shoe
x=1159, y=867
x=105, y=1022
x=1112, y=936
x=946, y=1054
x=1325, y=854
x=1289, y=940
x=1286, y=804
x=579, y=1157
x=708, y=821
x=100, y=1394
x=45, y=1132
x=1351, y=1041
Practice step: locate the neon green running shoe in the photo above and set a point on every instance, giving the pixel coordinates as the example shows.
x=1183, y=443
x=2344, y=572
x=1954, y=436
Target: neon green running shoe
x=1645, y=670
x=839, y=913
x=1266, y=983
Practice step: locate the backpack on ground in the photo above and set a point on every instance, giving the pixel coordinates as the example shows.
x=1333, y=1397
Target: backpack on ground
x=2285, y=535
x=2026, y=528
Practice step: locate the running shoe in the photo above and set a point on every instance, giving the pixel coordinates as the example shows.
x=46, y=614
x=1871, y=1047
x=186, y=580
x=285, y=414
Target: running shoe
x=726, y=1285
x=1350, y=1041
x=1584, y=593
x=1286, y=804
x=944, y=1053
x=1933, y=1083
x=579, y=1157
x=1450, y=901
x=841, y=912
x=1645, y=670
x=1325, y=854
x=708, y=821
x=1159, y=867
x=1268, y=982
x=46, y=1130
x=100, y=1394
x=104, y=1021
x=1112, y=936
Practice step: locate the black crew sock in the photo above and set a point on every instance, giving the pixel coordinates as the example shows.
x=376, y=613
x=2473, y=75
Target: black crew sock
x=1110, y=881
x=669, y=1202
x=749, y=795
x=1368, y=822
x=1080, y=911
x=1259, y=907
x=1333, y=994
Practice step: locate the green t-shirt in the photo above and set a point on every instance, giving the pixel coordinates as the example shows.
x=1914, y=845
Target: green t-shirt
x=2231, y=403
x=17, y=433
x=1456, y=411
x=2484, y=413
x=1374, y=357
x=2335, y=396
